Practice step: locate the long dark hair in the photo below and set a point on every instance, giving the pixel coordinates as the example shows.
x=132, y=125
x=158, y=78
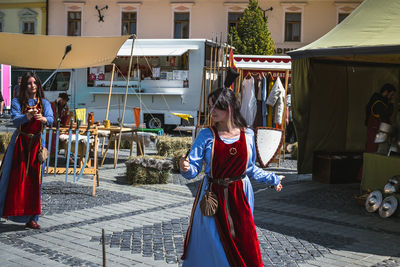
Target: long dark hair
x=23, y=89
x=223, y=99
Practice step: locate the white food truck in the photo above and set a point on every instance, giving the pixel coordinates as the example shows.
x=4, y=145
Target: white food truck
x=166, y=77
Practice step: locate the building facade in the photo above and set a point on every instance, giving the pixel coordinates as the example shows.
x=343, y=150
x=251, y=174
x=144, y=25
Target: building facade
x=23, y=16
x=292, y=24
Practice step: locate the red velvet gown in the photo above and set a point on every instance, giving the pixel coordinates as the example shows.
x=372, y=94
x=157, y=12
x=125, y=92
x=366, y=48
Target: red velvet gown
x=23, y=194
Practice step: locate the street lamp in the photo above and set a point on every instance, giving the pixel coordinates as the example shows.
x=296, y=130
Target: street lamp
x=268, y=9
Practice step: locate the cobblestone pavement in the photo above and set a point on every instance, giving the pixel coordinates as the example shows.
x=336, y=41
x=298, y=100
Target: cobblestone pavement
x=307, y=224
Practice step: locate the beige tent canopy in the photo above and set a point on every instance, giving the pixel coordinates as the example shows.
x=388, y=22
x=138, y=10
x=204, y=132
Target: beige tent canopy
x=46, y=52
x=334, y=77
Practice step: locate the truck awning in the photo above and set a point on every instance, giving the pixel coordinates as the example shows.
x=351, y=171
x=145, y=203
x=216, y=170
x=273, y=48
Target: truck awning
x=144, y=48
x=46, y=52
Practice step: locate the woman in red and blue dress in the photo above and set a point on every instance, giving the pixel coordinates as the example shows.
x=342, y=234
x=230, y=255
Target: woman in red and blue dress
x=21, y=171
x=228, y=238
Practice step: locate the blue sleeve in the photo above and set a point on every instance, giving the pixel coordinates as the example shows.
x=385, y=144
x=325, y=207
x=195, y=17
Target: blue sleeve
x=48, y=112
x=197, y=154
x=16, y=115
x=255, y=172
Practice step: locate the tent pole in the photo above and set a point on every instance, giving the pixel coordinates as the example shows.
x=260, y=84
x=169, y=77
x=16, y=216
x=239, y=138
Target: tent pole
x=125, y=98
x=201, y=95
x=284, y=114
x=108, y=103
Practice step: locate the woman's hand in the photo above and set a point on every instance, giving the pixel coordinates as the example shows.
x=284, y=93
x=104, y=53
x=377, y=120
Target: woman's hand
x=40, y=117
x=31, y=113
x=184, y=163
x=279, y=186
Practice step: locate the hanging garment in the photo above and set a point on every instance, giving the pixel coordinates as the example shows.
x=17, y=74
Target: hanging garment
x=249, y=102
x=276, y=99
x=258, y=86
x=264, y=110
x=269, y=108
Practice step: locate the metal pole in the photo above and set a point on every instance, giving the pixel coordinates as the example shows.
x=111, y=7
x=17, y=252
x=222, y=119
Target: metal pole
x=104, y=246
x=126, y=96
x=108, y=104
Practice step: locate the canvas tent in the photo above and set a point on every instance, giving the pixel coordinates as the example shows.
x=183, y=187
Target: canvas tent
x=334, y=77
x=46, y=52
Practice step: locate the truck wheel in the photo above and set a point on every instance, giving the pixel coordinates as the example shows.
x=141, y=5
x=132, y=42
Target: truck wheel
x=154, y=123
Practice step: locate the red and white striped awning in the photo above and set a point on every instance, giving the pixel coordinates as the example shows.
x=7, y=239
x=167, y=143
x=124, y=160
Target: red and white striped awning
x=251, y=62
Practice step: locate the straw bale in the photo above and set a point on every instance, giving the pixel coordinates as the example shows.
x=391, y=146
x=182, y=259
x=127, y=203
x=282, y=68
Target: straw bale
x=148, y=169
x=167, y=145
x=5, y=138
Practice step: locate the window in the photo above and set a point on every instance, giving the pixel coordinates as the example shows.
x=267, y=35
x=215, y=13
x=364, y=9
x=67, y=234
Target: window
x=28, y=28
x=128, y=23
x=292, y=27
x=74, y=23
x=59, y=82
x=342, y=16
x=233, y=20
x=1, y=21
x=27, y=21
x=181, y=25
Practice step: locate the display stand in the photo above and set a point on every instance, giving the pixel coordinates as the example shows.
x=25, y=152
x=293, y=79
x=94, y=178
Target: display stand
x=89, y=168
x=245, y=71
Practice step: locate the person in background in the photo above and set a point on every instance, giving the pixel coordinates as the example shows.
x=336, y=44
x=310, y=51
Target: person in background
x=225, y=236
x=16, y=87
x=1, y=104
x=379, y=109
x=60, y=109
x=21, y=171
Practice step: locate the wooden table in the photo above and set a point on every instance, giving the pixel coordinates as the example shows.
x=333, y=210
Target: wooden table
x=88, y=169
x=113, y=138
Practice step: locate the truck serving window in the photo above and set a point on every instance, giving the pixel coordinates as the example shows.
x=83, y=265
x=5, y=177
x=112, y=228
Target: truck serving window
x=58, y=83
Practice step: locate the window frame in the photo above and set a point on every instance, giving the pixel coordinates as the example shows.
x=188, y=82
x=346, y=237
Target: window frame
x=132, y=8
x=1, y=22
x=345, y=8
x=181, y=7
x=292, y=23
x=182, y=22
x=74, y=7
x=292, y=7
x=27, y=15
x=236, y=22
x=129, y=22
x=74, y=20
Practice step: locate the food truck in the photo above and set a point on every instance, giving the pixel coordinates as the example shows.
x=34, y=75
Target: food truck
x=166, y=77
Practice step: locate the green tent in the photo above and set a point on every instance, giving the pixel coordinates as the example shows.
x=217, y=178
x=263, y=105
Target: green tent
x=334, y=77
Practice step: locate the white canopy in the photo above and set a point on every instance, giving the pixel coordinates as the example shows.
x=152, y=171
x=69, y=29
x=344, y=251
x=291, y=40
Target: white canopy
x=155, y=47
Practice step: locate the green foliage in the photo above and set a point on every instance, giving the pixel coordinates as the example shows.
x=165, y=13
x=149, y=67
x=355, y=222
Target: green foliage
x=252, y=36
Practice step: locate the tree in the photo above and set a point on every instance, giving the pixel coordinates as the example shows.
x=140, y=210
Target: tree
x=252, y=36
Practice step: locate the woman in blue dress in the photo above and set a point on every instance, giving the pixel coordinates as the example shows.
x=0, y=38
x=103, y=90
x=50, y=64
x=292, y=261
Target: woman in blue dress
x=227, y=236
x=21, y=170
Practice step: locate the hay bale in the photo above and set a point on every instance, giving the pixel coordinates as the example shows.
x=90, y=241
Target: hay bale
x=148, y=170
x=167, y=145
x=5, y=138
